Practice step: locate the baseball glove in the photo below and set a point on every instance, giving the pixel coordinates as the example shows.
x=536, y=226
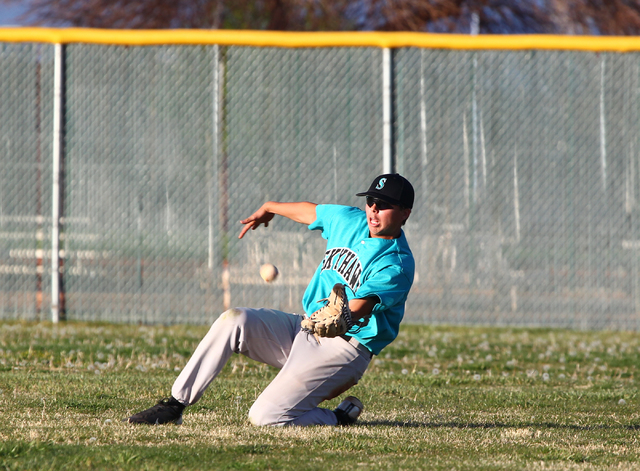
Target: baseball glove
x=334, y=318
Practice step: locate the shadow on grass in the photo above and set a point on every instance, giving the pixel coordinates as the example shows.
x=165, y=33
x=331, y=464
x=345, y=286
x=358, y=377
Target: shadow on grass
x=492, y=425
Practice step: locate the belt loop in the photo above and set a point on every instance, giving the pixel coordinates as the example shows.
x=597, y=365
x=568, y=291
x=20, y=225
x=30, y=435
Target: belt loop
x=358, y=345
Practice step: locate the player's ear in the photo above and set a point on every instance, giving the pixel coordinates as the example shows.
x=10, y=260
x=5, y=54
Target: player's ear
x=407, y=213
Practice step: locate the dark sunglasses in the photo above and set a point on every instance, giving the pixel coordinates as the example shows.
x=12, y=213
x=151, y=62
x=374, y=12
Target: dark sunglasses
x=381, y=205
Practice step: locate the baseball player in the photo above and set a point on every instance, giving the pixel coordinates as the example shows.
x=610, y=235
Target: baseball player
x=368, y=259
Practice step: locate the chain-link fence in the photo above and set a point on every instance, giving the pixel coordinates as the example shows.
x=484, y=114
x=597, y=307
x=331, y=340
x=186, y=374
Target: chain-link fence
x=26, y=84
x=528, y=179
x=525, y=165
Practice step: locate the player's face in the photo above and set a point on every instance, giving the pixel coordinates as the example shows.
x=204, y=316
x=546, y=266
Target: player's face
x=384, y=219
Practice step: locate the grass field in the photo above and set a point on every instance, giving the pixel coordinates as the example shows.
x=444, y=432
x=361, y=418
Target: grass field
x=437, y=398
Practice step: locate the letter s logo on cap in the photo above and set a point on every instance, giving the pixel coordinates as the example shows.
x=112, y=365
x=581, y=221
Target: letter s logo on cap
x=381, y=183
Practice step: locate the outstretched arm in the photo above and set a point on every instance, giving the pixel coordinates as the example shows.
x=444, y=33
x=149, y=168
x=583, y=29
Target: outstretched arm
x=302, y=212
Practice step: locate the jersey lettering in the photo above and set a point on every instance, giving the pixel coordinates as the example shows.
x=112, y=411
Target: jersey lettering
x=355, y=278
x=345, y=262
x=328, y=258
x=349, y=271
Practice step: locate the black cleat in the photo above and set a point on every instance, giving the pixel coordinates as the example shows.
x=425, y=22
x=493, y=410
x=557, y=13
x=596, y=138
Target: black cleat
x=164, y=412
x=348, y=411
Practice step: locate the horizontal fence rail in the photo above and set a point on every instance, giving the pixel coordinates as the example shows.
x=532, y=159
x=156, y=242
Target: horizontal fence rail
x=121, y=201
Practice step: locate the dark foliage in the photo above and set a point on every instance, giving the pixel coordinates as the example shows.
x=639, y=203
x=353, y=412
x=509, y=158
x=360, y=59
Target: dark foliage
x=606, y=17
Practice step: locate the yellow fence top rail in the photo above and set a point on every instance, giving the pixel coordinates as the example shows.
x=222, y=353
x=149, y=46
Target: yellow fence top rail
x=319, y=39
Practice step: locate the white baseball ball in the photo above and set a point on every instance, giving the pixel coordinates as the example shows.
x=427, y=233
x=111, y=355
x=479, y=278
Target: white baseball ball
x=268, y=272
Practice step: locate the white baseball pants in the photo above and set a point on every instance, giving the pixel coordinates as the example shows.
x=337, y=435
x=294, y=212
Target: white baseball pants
x=310, y=372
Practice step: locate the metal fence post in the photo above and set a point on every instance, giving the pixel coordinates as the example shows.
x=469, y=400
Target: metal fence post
x=387, y=107
x=55, y=203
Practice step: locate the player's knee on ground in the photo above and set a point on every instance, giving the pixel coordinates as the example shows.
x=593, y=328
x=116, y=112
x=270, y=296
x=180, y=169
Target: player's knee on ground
x=262, y=414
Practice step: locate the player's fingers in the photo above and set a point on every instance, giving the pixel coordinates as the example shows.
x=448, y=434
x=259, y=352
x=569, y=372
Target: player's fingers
x=245, y=229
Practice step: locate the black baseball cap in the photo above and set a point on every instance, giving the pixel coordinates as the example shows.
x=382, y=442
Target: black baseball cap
x=392, y=188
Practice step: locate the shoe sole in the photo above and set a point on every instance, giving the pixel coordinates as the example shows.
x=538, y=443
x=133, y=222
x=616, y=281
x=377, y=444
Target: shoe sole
x=175, y=422
x=354, y=403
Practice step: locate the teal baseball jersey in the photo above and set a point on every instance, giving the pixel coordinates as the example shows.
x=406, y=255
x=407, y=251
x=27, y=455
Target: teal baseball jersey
x=368, y=267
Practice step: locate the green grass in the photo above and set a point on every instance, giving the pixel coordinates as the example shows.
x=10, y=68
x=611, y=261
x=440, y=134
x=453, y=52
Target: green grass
x=437, y=398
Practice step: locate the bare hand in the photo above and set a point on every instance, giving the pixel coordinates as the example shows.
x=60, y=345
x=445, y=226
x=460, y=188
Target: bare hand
x=261, y=216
